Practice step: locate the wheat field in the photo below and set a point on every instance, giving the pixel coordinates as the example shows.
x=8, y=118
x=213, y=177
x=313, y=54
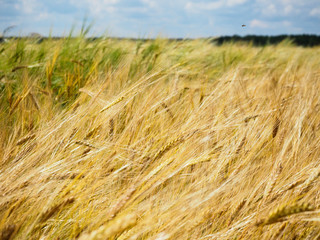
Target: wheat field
x=159, y=139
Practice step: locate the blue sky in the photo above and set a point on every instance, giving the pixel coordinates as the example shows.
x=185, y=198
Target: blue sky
x=166, y=18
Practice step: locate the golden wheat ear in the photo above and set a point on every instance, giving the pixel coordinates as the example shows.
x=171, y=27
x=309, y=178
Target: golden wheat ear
x=7, y=232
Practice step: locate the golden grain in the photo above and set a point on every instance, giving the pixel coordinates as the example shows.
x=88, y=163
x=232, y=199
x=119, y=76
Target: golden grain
x=26, y=139
x=272, y=182
x=93, y=132
x=277, y=234
x=54, y=209
x=121, y=203
x=194, y=140
x=83, y=143
x=113, y=229
x=279, y=214
x=35, y=101
x=111, y=127
x=237, y=209
x=7, y=232
x=112, y=104
x=275, y=127
x=165, y=106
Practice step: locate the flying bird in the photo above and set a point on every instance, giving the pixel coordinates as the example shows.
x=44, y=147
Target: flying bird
x=243, y=25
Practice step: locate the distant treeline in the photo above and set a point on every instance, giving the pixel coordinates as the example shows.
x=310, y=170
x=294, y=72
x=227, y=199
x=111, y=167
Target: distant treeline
x=305, y=40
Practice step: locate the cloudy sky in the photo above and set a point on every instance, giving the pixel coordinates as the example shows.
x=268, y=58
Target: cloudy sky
x=166, y=18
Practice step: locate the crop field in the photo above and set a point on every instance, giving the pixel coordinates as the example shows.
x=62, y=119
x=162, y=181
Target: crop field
x=158, y=139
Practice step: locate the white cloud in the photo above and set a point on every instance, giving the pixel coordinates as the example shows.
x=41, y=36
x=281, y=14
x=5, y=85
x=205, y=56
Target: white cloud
x=200, y=6
x=315, y=12
x=286, y=23
x=42, y=16
x=269, y=10
x=285, y=2
x=102, y=6
x=255, y=23
x=295, y=2
x=288, y=9
x=211, y=21
x=27, y=6
x=204, y=17
x=96, y=7
x=150, y=3
x=30, y=9
x=282, y=8
x=232, y=3
x=191, y=6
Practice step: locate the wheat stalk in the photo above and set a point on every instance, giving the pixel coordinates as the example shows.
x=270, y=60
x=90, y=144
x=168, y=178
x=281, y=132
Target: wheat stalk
x=247, y=119
x=307, y=184
x=83, y=143
x=118, y=206
x=288, y=187
x=167, y=147
x=111, y=126
x=279, y=231
x=24, y=152
x=243, y=141
x=272, y=182
x=7, y=232
x=172, y=144
x=112, y=104
x=237, y=209
x=34, y=100
x=92, y=132
x=275, y=127
x=112, y=229
x=165, y=106
x=26, y=139
x=54, y=209
x=279, y=214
